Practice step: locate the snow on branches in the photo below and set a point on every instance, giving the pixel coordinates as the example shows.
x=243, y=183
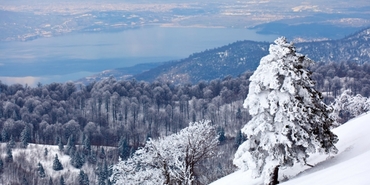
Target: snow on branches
x=347, y=106
x=289, y=118
x=169, y=160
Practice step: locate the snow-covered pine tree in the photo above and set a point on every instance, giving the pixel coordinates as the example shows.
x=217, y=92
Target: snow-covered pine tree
x=11, y=143
x=59, y=143
x=289, y=119
x=25, y=137
x=46, y=151
x=56, y=164
x=9, y=155
x=61, y=180
x=86, y=146
x=70, y=145
x=1, y=166
x=77, y=159
x=40, y=170
x=83, y=179
x=4, y=135
x=124, y=149
x=102, y=154
x=102, y=173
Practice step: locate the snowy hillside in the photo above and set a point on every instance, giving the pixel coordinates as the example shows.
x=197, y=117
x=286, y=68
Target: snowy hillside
x=350, y=166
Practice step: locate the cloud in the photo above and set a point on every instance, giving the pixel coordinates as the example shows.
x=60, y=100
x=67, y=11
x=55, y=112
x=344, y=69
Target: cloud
x=29, y=80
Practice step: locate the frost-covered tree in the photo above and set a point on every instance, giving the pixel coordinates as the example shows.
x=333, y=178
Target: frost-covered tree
x=347, y=106
x=289, y=120
x=169, y=160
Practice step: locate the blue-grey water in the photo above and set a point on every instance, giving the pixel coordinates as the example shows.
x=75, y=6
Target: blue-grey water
x=73, y=56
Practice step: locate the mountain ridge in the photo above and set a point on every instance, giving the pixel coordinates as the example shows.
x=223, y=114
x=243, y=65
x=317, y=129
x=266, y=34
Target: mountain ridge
x=241, y=56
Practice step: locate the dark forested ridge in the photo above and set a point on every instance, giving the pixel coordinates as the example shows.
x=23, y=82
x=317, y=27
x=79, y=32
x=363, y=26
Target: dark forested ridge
x=240, y=56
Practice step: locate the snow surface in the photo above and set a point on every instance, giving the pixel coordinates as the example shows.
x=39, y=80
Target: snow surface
x=350, y=166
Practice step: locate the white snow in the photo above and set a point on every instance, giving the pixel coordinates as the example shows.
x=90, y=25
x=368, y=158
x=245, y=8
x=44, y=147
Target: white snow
x=350, y=166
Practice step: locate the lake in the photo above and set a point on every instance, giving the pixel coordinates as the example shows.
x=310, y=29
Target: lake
x=76, y=55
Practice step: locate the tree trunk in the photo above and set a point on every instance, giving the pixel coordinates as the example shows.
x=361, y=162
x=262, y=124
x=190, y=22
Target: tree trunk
x=274, y=176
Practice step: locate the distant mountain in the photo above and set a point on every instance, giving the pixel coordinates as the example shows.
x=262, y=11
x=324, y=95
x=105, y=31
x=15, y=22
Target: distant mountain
x=242, y=56
x=120, y=73
x=238, y=57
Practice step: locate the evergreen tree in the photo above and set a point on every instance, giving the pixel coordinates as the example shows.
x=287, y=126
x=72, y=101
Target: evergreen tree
x=11, y=143
x=9, y=155
x=60, y=144
x=46, y=152
x=87, y=145
x=1, y=166
x=239, y=114
x=70, y=145
x=83, y=179
x=91, y=158
x=289, y=119
x=76, y=160
x=4, y=135
x=239, y=139
x=25, y=136
x=124, y=150
x=24, y=180
x=56, y=164
x=51, y=181
x=102, y=153
x=102, y=172
x=61, y=181
x=221, y=134
x=40, y=170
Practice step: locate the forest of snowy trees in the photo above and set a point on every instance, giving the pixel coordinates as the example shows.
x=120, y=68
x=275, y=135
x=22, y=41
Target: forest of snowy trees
x=124, y=114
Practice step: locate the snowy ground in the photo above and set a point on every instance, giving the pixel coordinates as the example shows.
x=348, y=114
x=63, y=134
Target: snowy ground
x=34, y=153
x=350, y=166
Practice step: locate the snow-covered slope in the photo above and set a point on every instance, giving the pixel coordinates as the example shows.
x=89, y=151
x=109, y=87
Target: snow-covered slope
x=350, y=166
